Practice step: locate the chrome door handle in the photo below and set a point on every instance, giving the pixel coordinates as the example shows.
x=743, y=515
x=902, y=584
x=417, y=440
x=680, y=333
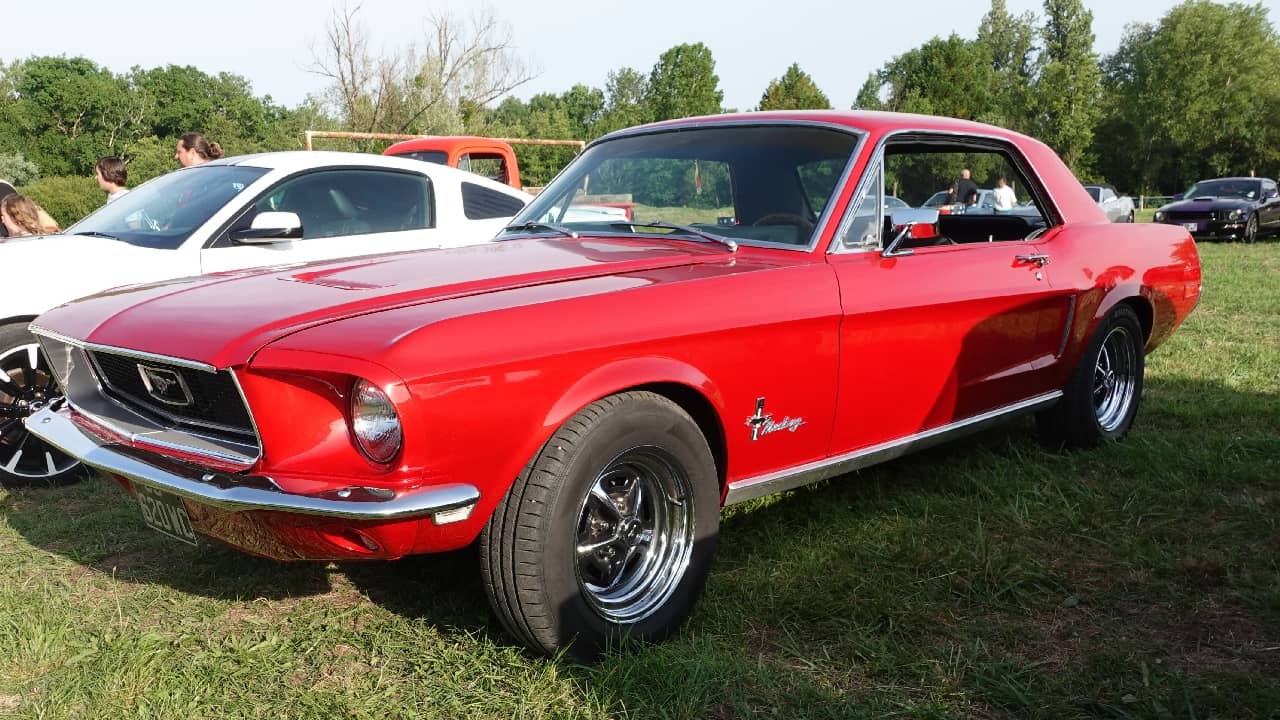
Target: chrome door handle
x=1040, y=259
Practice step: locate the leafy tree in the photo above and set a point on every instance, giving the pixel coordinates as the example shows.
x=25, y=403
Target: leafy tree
x=1068, y=88
x=683, y=83
x=1191, y=96
x=67, y=199
x=950, y=77
x=1009, y=43
x=17, y=169
x=868, y=97
x=584, y=107
x=624, y=106
x=795, y=90
x=64, y=113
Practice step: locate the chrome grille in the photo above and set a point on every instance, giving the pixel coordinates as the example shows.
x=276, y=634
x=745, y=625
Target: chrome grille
x=211, y=401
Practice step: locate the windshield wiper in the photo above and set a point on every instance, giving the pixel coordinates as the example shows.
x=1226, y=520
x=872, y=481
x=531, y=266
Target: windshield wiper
x=95, y=233
x=711, y=237
x=534, y=226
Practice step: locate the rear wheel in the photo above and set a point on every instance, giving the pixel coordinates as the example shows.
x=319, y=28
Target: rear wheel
x=1131, y=216
x=1102, y=396
x=609, y=533
x=26, y=385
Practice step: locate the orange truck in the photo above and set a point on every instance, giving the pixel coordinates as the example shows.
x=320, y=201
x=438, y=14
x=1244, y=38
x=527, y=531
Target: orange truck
x=492, y=158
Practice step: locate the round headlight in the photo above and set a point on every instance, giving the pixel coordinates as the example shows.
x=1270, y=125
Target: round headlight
x=374, y=422
x=1236, y=214
x=1159, y=216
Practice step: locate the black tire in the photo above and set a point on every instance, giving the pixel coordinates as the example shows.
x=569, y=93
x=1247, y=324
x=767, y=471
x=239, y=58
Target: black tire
x=1251, y=229
x=1131, y=216
x=25, y=385
x=1105, y=389
x=544, y=554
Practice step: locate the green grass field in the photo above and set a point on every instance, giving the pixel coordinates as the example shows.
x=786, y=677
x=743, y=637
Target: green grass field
x=987, y=579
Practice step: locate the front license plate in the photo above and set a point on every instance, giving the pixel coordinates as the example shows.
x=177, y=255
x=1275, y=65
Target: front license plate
x=165, y=513
x=1191, y=226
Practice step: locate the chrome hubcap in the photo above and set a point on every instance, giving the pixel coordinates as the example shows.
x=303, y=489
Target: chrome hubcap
x=1114, y=379
x=26, y=385
x=634, y=535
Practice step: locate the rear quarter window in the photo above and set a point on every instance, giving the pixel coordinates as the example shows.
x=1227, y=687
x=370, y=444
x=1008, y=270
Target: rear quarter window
x=482, y=203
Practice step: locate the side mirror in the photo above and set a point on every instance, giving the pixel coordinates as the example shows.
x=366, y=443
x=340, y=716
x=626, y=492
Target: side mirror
x=915, y=223
x=269, y=227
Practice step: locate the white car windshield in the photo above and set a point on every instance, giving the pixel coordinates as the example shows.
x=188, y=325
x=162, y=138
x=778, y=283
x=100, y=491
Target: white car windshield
x=163, y=212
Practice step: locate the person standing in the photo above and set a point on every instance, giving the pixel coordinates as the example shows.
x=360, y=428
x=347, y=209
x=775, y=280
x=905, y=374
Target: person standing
x=1004, y=196
x=193, y=149
x=111, y=175
x=966, y=189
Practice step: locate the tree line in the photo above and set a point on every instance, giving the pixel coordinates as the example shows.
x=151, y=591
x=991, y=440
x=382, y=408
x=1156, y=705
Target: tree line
x=1192, y=94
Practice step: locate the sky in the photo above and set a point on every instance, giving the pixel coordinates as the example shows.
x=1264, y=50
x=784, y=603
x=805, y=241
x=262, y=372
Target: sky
x=270, y=42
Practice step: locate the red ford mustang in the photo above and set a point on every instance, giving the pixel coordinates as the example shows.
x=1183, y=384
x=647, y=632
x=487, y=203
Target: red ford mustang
x=581, y=398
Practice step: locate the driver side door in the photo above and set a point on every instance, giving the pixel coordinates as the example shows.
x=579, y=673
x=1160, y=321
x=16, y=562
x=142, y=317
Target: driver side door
x=940, y=334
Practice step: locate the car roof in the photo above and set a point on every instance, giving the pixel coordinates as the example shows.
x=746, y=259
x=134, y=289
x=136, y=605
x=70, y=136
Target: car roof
x=294, y=160
x=1232, y=179
x=444, y=143
x=869, y=120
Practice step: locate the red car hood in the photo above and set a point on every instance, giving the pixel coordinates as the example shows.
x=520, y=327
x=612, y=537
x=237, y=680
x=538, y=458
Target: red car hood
x=223, y=319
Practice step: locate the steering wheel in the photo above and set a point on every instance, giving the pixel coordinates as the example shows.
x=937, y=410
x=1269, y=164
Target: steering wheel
x=804, y=225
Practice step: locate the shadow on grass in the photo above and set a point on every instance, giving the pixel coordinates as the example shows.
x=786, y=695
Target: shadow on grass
x=792, y=624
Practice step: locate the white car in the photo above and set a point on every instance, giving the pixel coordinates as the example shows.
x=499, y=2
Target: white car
x=254, y=210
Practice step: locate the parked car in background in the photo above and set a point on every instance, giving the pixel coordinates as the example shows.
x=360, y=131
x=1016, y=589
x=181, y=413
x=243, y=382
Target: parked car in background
x=268, y=209
x=489, y=157
x=1238, y=208
x=1118, y=208
x=938, y=201
x=580, y=398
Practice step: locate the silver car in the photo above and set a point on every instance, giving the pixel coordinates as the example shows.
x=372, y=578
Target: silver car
x=1119, y=208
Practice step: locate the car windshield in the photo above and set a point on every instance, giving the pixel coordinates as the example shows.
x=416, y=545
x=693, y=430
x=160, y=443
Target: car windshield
x=756, y=184
x=1094, y=191
x=1244, y=189
x=164, y=212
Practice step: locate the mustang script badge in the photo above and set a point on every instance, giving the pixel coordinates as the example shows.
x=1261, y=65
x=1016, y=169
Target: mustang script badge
x=165, y=385
x=762, y=423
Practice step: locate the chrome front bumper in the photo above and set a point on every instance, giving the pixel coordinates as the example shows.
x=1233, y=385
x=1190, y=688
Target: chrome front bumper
x=444, y=503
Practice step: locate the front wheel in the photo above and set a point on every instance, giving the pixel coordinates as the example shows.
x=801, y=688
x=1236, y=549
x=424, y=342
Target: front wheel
x=26, y=385
x=1251, y=229
x=609, y=533
x=1131, y=217
x=1102, y=396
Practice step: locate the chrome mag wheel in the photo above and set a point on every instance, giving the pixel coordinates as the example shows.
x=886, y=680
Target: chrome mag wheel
x=634, y=535
x=1114, y=379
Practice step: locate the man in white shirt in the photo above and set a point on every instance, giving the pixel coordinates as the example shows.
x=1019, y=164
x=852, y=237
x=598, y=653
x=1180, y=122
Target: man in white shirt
x=111, y=175
x=1004, y=197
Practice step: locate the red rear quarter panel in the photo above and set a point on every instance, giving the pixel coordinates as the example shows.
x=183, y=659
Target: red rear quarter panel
x=1108, y=263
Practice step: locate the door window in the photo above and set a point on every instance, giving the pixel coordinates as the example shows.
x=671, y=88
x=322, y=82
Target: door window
x=979, y=190
x=333, y=203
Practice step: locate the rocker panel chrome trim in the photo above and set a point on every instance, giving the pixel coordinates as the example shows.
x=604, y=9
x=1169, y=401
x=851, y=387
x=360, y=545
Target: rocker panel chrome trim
x=791, y=478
